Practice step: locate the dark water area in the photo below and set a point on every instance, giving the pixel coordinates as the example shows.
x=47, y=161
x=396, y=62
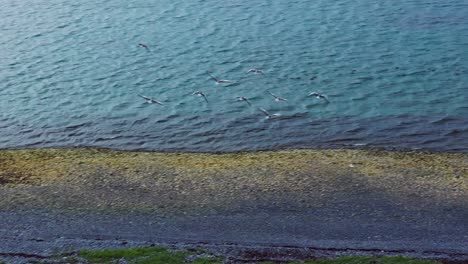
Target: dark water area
x=435, y=133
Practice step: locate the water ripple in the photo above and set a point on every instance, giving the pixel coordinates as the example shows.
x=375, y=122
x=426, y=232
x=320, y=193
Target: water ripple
x=395, y=74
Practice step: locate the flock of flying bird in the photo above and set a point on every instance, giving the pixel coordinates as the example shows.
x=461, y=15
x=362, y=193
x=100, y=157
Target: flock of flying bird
x=239, y=98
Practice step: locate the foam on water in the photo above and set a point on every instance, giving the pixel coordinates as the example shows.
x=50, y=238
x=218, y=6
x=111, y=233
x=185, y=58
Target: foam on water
x=396, y=74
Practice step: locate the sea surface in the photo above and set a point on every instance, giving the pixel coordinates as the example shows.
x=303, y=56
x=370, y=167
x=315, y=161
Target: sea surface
x=395, y=73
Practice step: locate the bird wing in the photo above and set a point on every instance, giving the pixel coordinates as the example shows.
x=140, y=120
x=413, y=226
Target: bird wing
x=144, y=97
x=264, y=111
x=212, y=77
x=272, y=94
x=156, y=101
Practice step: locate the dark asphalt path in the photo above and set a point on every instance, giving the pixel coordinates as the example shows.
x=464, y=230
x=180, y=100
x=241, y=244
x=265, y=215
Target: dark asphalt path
x=432, y=232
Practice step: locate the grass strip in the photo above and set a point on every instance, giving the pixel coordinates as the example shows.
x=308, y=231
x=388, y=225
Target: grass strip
x=160, y=255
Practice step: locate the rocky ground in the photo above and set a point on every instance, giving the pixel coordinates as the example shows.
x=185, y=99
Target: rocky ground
x=263, y=205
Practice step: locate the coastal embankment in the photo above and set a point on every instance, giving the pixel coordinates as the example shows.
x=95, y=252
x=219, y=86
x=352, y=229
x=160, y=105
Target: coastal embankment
x=332, y=202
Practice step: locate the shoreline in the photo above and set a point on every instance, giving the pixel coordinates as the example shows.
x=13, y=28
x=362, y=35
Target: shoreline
x=194, y=175
x=361, y=200
x=175, y=151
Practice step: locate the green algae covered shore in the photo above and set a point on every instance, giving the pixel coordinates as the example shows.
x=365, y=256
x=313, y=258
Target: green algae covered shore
x=108, y=180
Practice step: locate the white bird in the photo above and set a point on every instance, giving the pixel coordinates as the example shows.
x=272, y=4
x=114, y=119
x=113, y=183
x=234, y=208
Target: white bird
x=199, y=93
x=255, y=71
x=277, y=98
x=219, y=81
x=143, y=46
x=319, y=96
x=267, y=114
x=243, y=98
x=150, y=100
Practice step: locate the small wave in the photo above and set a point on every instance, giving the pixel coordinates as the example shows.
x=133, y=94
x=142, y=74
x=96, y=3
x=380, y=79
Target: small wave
x=457, y=132
x=77, y=126
x=443, y=120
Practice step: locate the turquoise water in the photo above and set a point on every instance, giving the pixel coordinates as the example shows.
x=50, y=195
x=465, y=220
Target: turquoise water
x=395, y=72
